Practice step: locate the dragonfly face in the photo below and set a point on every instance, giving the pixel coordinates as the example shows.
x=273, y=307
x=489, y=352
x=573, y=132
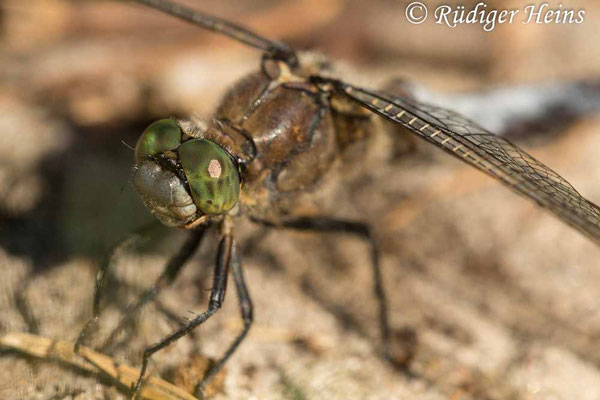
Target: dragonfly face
x=181, y=178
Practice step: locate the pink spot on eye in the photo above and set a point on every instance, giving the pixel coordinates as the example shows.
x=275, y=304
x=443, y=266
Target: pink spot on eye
x=214, y=169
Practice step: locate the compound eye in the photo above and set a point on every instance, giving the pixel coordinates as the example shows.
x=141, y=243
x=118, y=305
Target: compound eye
x=212, y=175
x=160, y=136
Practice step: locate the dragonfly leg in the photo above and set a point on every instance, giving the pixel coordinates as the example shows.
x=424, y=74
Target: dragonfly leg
x=103, y=274
x=166, y=278
x=23, y=307
x=217, y=296
x=246, y=310
x=362, y=230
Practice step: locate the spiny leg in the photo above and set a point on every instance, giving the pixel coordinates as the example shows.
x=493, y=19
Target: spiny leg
x=103, y=274
x=166, y=278
x=246, y=310
x=362, y=230
x=217, y=295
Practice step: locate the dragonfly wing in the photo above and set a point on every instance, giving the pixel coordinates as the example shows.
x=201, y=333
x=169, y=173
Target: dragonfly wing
x=277, y=50
x=512, y=111
x=491, y=154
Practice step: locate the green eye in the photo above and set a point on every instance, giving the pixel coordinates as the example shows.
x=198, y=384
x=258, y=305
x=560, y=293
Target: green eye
x=160, y=136
x=212, y=175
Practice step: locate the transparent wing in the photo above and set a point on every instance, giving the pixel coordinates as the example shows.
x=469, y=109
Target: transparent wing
x=277, y=50
x=491, y=154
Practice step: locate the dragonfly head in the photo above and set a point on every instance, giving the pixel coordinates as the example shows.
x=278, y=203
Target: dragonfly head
x=182, y=178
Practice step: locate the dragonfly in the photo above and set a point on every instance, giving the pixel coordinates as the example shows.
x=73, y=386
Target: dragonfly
x=276, y=133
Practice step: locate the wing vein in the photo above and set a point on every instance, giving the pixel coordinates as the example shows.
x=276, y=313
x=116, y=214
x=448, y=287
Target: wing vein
x=485, y=151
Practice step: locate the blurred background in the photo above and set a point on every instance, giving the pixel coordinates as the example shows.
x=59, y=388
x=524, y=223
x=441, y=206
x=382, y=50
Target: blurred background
x=494, y=298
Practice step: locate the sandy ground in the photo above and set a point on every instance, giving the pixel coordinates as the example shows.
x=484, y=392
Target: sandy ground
x=495, y=298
